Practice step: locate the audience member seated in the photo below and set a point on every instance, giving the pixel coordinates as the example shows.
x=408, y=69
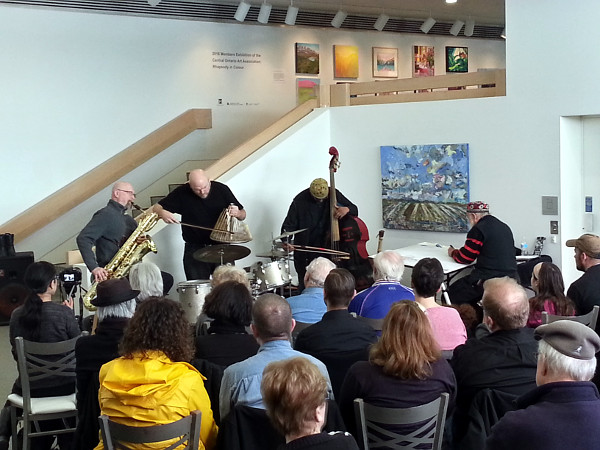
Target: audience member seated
x=448, y=328
x=272, y=325
x=227, y=342
x=295, y=394
x=146, y=278
x=547, y=282
x=564, y=410
x=227, y=272
x=339, y=339
x=116, y=303
x=585, y=291
x=41, y=320
x=309, y=306
x=504, y=359
x=377, y=300
x=152, y=382
x=405, y=367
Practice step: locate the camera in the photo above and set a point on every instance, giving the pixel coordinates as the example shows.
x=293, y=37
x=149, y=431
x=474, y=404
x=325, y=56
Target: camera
x=70, y=276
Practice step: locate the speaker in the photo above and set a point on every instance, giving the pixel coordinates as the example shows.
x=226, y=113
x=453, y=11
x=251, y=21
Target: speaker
x=13, y=291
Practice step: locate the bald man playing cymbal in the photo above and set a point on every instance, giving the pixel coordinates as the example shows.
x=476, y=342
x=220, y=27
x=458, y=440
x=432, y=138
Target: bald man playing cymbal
x=199, y=202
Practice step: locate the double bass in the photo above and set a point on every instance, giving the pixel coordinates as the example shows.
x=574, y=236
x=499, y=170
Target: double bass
x=348, y=234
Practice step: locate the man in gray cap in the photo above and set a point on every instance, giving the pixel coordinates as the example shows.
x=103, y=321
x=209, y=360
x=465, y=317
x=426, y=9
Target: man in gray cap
x=585, y=292
x=564, y=410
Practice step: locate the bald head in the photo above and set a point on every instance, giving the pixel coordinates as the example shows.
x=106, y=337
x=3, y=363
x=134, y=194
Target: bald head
x=271, y=318
x=505, y=303
x=199, y=183
x=123, y=193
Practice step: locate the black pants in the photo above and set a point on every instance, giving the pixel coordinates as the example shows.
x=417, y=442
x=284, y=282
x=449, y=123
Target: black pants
x=196, y=270
x=466, y=290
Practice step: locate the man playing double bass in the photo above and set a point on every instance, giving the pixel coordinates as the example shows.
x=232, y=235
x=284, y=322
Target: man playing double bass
x=310, y=209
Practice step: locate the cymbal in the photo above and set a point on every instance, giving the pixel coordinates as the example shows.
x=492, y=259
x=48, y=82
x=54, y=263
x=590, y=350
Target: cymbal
x=273, y=254
x=222, y=253
x=289, y=233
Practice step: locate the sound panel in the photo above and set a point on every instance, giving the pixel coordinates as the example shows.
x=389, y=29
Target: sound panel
x=13, y=291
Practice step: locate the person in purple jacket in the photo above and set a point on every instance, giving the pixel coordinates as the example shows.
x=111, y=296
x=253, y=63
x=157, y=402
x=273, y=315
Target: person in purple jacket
x=563, y=411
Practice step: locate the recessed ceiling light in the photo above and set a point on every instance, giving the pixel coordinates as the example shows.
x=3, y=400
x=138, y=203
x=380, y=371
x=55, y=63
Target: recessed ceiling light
x=451, y=1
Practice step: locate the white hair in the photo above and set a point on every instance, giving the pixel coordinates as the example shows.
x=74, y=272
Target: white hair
x=227, y=272
x=317, y=271
x=122, y=310
x=559, y=364
x=388, y=265
x=146, y=278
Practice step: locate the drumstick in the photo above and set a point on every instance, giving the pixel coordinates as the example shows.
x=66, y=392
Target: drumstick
x=330, y=250
x=341, y=255
x=205, y=228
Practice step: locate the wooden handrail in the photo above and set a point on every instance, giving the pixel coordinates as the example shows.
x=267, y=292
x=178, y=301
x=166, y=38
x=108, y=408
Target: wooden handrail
x=247, y=148
x=79, y=190
x=407, y=89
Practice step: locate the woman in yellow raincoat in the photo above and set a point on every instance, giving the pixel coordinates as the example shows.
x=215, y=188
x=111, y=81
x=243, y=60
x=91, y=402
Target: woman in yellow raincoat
x=153, y=383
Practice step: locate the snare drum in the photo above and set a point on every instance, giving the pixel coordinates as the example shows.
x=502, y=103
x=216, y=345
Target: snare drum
x=273, y=274
x=191, y=297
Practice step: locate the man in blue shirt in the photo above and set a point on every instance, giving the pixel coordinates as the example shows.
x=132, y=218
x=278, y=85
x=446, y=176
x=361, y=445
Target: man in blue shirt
x=272, y=326
x=376, y=301
x=309, y=306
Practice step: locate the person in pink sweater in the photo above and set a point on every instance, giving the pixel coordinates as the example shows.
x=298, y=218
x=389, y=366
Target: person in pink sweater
x=448, y=328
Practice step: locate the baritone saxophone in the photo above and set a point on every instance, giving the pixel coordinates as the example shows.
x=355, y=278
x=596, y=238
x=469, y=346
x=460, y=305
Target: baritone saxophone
x=130, y=253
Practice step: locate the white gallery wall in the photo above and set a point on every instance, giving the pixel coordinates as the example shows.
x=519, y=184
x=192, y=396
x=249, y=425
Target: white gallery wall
x=78, y=88
x=83, y=87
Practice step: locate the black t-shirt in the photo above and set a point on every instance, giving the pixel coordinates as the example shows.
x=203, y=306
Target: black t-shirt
x=199, y=211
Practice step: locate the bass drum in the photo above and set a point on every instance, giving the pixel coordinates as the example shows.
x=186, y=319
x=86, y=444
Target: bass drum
x=191, y=296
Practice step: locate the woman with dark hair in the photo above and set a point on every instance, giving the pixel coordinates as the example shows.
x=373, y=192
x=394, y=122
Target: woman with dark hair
x=226, y=341
x=295, y=394
x=152, y=382
x=405, y=366
x=548, y=284
x=42, y=320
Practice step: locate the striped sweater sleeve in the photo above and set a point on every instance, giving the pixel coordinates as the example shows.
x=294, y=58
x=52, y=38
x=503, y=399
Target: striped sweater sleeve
x=469, y=252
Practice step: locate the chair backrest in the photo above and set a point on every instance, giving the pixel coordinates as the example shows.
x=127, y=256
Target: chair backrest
x=376, y=324
x=424, y=425
x=38, y=361
x=588, y=319
x=298, y=328
x=185, y=431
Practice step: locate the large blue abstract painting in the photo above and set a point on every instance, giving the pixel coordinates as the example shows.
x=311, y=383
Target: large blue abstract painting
x=425, y=187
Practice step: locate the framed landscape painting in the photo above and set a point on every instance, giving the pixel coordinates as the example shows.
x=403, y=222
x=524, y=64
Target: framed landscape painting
x=457, y=59
x=307, y=89
x=307, y=58
x=385, y=62
x=425, y=187
x=345, y=61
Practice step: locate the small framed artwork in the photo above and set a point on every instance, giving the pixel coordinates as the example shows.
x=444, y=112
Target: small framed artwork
x=457, y=59
x=345, y=61
x=424, y=61
x=385, y=62
x=307, y=89
x=307, y=58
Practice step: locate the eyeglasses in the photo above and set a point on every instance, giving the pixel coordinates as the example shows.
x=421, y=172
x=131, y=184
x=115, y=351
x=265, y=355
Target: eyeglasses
x=129, y=192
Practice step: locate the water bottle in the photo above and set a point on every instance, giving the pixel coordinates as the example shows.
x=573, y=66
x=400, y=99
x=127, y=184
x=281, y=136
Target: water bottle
x=523, y=247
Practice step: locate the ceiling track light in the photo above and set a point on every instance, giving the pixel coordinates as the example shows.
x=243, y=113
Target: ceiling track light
x=153, y=2
x=264, y=13
x=381, y=21
x=242, y=11
x=338, y=19
x=290, y=17
x=469, y=28
x=428, y=25
x=456, y=27
x=503, y=34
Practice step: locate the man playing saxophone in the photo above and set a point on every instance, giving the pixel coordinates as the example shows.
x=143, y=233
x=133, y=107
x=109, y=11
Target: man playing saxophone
x=200, y=202
x=107, y=230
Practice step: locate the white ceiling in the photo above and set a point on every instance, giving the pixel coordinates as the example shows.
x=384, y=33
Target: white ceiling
x=489, y=12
